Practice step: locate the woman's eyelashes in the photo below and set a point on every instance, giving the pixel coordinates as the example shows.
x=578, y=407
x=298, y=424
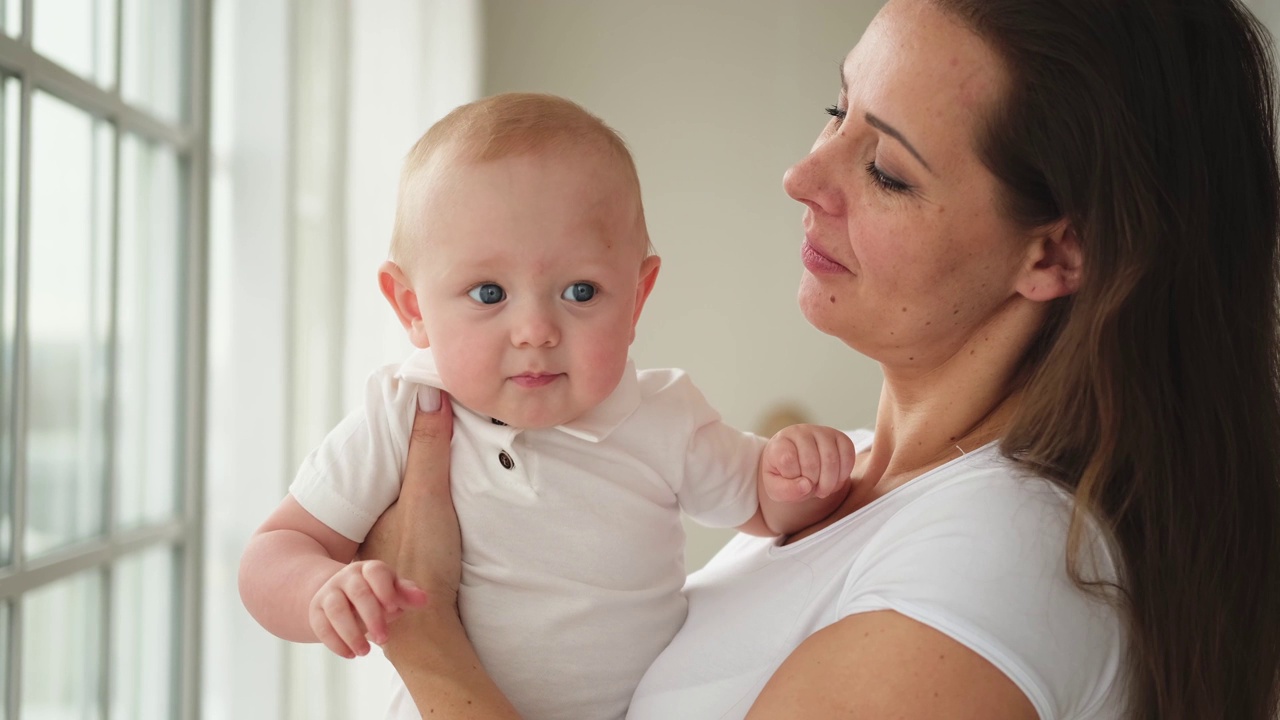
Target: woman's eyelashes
x=882, y=180
x=885, y=182
x=487, y=293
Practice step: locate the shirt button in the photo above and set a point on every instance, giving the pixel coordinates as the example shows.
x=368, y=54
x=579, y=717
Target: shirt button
x=506, y=460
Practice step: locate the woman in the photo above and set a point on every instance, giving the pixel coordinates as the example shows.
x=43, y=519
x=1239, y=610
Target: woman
x=1053, y=223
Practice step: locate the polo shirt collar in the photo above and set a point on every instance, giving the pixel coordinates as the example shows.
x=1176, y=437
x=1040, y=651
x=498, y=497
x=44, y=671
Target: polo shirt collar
x=593, y=426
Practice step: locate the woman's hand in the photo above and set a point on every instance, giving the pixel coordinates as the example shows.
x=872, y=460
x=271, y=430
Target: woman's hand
x=419, y=537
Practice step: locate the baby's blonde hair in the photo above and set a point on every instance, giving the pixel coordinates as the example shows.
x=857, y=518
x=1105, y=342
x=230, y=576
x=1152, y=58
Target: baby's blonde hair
x=497, y=127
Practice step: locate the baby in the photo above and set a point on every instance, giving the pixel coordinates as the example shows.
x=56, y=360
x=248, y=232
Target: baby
x=519, y=265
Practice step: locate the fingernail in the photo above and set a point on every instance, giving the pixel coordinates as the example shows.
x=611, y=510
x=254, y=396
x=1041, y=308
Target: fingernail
x=428, y=399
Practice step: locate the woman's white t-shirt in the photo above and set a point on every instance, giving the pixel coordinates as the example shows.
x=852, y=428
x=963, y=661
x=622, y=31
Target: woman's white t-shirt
x=975, y=549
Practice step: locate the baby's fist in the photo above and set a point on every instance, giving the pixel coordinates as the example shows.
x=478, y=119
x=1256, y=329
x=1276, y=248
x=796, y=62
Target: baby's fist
x=803, y=461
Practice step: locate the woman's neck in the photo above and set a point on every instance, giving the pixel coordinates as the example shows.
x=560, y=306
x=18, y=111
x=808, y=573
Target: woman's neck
x=929, y=417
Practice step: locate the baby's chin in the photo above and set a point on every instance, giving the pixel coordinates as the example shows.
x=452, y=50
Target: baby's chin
x=525, y=418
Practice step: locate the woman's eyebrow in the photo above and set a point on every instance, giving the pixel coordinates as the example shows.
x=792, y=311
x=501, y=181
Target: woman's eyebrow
x=892, y=132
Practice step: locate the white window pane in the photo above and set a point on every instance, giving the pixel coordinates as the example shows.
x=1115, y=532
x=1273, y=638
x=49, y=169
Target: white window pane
x=153, y=61
x=62, y=638
x=11, y=16
x=77, y=34
x=148, y=333
x=142, y=662
x=68, y=301
x=10, y=106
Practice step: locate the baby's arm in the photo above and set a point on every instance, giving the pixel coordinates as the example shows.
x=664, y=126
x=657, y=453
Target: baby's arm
x=298, y=582
x=804, y=476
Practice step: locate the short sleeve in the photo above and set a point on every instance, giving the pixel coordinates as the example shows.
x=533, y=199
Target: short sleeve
x=354, y=474
x=982, y=559
x=718, y=484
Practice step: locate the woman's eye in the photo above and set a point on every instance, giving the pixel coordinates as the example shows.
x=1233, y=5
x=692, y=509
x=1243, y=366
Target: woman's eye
x=579, y=292
x=837, y=112
x=886, y=182
x=488, y=294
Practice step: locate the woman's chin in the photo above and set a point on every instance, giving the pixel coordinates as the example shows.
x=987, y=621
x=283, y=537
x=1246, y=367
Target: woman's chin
x=818, y=305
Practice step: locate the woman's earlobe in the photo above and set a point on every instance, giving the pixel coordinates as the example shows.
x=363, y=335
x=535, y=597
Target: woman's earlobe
x=1054, y=265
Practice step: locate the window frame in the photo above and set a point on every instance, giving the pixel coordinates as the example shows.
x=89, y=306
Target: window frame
x=188, y=138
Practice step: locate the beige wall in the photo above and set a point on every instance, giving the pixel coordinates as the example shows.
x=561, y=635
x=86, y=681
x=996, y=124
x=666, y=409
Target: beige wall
x=716, y=98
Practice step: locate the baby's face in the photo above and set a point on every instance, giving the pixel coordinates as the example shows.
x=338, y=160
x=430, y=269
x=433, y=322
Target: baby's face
x=529, y=284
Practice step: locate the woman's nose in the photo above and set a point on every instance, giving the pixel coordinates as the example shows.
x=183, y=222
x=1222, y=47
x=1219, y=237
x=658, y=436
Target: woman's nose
x=814, y=182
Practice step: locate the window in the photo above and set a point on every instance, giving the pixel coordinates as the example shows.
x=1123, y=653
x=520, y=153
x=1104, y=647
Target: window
x=103, y=155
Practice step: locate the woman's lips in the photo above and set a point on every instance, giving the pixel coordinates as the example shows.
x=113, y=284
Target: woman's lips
x=534, y=380
x=816, y=262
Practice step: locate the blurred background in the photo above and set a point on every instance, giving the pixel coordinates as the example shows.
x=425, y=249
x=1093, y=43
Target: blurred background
x=195, y=196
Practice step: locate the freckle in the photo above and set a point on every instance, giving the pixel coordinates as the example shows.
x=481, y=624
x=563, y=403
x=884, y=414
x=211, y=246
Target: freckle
x=904, y=309
x=971, y=352
x=928, y=322
x=911, y=358
x=956, y=311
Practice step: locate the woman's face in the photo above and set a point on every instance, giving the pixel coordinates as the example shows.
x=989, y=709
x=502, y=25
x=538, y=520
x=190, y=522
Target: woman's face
x=907, y=256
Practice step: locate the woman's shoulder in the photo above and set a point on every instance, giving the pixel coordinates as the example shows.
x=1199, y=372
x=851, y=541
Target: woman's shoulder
x=979, y=551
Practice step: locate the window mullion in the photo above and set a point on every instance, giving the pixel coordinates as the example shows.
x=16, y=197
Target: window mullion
x=18, y=412
x=110, y=476
x=199, y=24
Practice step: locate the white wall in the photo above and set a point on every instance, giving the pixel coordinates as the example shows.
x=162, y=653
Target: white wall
x=716, y=99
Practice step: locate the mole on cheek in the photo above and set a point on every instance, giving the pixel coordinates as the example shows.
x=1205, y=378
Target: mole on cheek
x=833, y=299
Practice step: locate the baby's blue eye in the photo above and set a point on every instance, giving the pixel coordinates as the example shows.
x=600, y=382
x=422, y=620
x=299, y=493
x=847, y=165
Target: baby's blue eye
x=488, y=294
x=579, y=292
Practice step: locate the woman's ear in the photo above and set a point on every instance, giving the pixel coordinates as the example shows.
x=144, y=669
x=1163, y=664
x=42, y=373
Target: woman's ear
x=399, y=292
x=1053, y=265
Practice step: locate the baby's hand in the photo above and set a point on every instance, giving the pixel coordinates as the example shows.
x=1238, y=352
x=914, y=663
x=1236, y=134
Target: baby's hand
x=803, y=461
x=356, y=604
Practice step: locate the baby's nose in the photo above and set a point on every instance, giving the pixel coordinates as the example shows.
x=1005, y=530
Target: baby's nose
x=536, y=329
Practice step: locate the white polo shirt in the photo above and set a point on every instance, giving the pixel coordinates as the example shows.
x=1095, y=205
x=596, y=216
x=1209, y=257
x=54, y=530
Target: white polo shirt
x=573, y=551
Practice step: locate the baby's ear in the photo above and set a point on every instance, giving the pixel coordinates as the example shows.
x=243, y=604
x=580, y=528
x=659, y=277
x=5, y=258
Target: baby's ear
x=1054, y=264
x=648, y=276
x=399, y=292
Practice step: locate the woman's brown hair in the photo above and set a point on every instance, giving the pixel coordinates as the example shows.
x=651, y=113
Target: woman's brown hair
x=1154, y=392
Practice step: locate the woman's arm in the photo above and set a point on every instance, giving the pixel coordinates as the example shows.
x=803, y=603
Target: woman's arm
x=419, y=537
x=885, y=665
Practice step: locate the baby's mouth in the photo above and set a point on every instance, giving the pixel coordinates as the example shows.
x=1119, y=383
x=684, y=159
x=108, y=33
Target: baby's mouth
x=535, y=380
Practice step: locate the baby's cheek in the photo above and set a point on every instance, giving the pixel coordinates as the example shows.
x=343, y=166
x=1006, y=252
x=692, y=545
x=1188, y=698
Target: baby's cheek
x=464, y=377
x=602, y=366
